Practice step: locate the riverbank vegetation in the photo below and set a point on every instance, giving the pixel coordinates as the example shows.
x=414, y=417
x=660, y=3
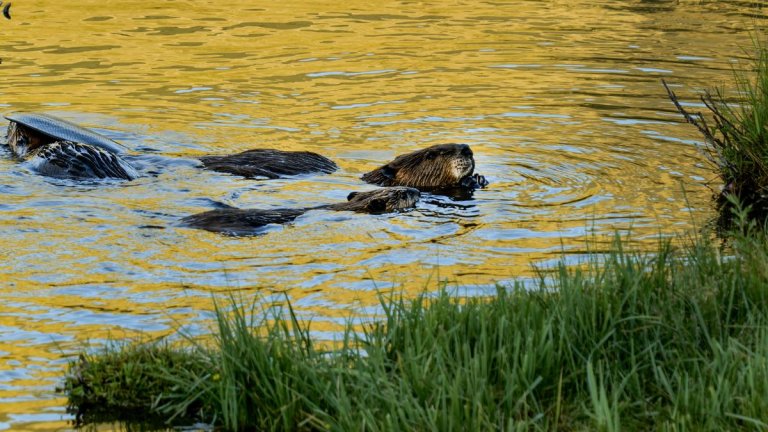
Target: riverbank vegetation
x=735, y=130
x=675, y=340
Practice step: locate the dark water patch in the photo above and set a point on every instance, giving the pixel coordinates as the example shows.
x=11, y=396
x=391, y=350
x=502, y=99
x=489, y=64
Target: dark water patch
x=155, y=17
x=99, y=18
x=80, y=49
x=185, y=44
x=169, y=31
x=272, y=25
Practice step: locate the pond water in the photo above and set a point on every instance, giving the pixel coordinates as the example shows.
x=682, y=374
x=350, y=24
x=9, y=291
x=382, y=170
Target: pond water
x=561, y=102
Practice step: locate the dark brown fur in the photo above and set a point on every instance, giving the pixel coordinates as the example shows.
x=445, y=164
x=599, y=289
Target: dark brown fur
x=270, y=163
x=235, y=221
x=439, y=166
x=65, y=159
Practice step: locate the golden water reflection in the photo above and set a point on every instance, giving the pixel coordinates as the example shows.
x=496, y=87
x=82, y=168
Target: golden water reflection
x=561, y=102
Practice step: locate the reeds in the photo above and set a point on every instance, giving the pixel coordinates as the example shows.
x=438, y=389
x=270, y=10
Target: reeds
x=673, y=340
x=737, y=138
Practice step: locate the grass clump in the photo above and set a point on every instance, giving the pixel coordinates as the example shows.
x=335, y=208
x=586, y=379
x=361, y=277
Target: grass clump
x=738, y=138
x=125, y=381
x=674, y=340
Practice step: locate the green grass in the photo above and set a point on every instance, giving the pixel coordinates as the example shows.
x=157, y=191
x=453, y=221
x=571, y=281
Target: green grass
x=737, y=135
x=122, y=381
x=673, y=340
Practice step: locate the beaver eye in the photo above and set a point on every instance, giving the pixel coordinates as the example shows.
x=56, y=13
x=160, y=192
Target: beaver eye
x=466, y=151
x=431, y=155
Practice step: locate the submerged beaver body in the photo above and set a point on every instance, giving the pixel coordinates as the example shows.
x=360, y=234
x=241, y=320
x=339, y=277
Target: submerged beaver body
x=437, y=167
x=57, y=157
x=234, y=221
x=270, y=163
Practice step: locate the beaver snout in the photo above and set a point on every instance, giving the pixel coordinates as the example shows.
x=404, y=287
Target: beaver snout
x=409, y=198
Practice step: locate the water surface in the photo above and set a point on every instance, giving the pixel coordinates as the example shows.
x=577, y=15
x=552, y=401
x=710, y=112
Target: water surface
x=561, y=102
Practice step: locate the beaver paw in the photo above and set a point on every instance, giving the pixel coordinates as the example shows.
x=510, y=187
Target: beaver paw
x=474, y=181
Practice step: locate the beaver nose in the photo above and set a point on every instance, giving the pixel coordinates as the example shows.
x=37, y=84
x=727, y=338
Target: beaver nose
x=465, y=150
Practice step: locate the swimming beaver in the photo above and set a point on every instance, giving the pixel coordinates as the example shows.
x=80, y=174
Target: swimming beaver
x=236, y=221
x=437, y=167
x=62, y=156
x=270, y=163
x=60, y=148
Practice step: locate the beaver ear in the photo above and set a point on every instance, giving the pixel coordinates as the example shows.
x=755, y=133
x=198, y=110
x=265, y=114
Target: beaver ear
x=352, y=195
x=377, y=205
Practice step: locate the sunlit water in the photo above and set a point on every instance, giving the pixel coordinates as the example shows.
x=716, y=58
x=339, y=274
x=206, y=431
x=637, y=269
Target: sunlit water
x=561, y=102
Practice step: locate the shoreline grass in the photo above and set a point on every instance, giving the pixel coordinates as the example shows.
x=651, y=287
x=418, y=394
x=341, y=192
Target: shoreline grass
x=737, y=139
x=673, y=340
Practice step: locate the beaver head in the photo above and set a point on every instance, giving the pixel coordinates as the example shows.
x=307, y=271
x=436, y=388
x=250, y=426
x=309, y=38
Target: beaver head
x=439, y=166
x=22, y=140
x=384, y=200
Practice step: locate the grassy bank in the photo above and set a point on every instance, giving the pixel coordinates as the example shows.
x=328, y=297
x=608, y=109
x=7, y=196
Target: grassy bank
x=735, y=129
x=674, y=340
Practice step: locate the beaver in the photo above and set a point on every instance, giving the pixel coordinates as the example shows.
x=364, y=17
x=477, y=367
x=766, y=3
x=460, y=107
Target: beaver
x=235, y=221
x=59, y=148
x=441, y=166
x=269, y=163
x=60, y=157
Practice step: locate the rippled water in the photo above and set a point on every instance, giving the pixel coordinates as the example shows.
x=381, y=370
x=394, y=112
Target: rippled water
x=561, y=102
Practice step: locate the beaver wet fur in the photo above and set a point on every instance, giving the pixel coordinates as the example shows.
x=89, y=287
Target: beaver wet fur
x=234, y=221
x=63, y=158
x=270, y=163
x=436, y=167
